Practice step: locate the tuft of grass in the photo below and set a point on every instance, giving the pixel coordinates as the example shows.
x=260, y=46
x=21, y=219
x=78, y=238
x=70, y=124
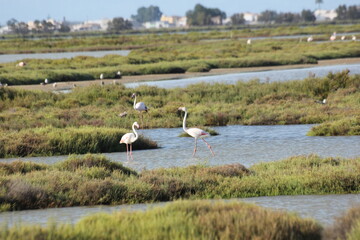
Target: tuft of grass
x=92, y=180
x=343, y=127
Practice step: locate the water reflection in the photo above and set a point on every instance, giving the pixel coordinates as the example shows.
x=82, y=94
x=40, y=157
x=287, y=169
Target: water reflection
x=247, y=145
x=323, y=208
x=17, y=57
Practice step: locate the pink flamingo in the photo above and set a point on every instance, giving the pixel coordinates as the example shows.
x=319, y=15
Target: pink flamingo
x=195, y=133
x=128, y=139
x=140, y=107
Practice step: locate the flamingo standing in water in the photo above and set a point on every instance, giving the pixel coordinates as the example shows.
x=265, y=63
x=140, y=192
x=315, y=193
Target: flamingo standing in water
x=128, y=139
x=195, y=133
x=140, y=107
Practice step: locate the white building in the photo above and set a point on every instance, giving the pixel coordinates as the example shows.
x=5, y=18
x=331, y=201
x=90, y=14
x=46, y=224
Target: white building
x=5, y=30
x=93, y=25
x=251, y=18
x=157, y=24
x=325, y=15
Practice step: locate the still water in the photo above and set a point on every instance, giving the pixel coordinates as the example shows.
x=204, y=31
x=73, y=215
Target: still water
x=247, y=145
x=263, y=76
x=4, y=58
x=323, y=208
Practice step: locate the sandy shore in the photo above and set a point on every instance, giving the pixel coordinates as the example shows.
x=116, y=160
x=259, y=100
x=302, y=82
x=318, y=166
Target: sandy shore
x=158, y=77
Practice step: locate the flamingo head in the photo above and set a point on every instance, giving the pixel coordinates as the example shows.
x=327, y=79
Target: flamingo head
x=182, y=109
x=136, y=124
x=133, y=95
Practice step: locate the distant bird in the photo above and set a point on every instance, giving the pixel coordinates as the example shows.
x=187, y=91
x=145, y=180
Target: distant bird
x=248, y=41
x=140, y=107
x=101, y=76
x=333, y=37
x=321, y=102
x=353, y=38
x=123, y=114
x=54, y=85
x=118, y=74
x=21, y=64
x=128, y=139
x=343, y=38
x=195, y=133
x=46, y=81
x=310, y=39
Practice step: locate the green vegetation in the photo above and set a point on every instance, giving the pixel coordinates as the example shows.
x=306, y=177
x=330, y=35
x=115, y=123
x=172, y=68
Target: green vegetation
x=347, y=126
x=345, y=227
x=92, y=179
x=170, y=53
x=180, y=220
x=86, y=120
x=61, y=141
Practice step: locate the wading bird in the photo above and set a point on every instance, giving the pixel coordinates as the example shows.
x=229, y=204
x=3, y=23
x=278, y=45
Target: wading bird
x=195, y=133
x=102, y=76
x=353, y=38
x=333, y=37
x=248, y=41
x=140, y=107
x=321, y=102
x=310, y=39
x=128, y=139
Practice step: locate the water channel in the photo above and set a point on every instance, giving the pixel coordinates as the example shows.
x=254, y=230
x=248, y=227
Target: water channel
x=4, y=58
x=323, y=208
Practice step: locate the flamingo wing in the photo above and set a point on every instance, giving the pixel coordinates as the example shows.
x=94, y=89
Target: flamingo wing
x=140, y=106
x=197, y=133
x=128, y=138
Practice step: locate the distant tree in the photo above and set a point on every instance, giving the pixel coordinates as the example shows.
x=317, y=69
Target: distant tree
x=118, y=24
x=341, y=12
x=47, y=26
x=307, y=16
x=267, y=16
x=318, y=2
x=353, y=12
x=287, y=18
x=237, y=19
x=148, y=14
x=18, y=27
x=64, y=27
x=202, y=16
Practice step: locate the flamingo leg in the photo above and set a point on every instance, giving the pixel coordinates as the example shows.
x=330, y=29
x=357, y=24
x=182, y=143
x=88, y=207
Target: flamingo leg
x=209, y=146
x=127, y=151
x=195, y=147
x=131, y=152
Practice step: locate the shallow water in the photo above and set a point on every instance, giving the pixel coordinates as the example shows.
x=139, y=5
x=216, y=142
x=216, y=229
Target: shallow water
x=17, y=57
x=263, y=76
x=323, y=208
x=247, y=145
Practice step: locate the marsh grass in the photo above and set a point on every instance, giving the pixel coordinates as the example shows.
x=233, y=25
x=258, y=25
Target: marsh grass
x=55, y=141
x=180, y=220
x=93, y=179
x=343, y=127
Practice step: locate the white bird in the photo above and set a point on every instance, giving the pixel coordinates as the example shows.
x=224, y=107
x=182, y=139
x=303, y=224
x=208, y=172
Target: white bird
x=195, y=133
x=321, y=102
x=21, y=64
x=353, y=37
x=140, y=107
x=101, y=76
x=46, y=81
x=128, y=139
x=54, y=85
x=333, y=37
x=118, y=74
x=123, y=114
x=310, y=39
x=248, y=41
x=343, y=38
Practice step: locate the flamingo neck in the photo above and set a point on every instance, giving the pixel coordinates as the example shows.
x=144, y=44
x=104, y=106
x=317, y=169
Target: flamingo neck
x=184, y=122
x=136, y=134
x=135, y=102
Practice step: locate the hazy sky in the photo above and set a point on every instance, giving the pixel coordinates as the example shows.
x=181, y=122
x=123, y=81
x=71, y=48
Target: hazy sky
x=80, y=10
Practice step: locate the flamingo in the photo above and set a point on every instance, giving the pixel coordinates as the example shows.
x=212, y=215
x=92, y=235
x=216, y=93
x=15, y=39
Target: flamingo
x=195, y=133
x=140, y=106
x=102, y=76
x=248, y=41
x=129, y=138
x=333, y=37
x=46, y=81
x=310, y=39
x=321, y=102
x=353, y=38
x=343, y=38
